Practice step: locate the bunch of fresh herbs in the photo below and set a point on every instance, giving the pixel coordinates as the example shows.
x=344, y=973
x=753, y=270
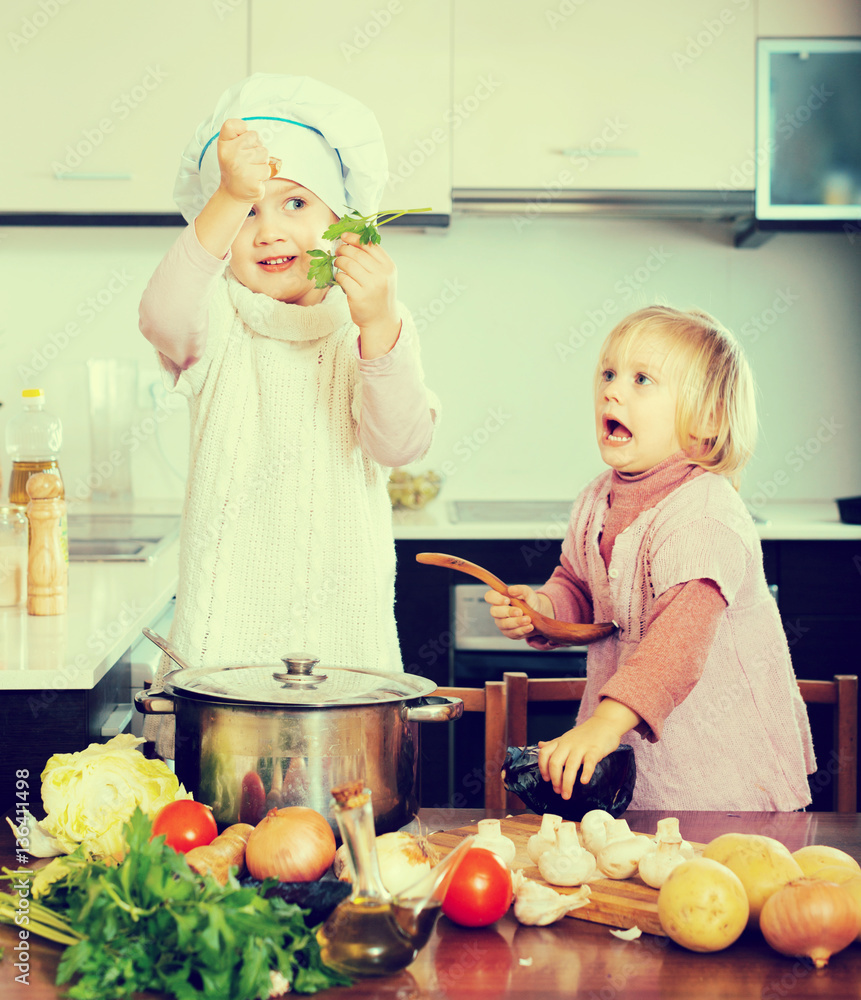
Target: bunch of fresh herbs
x=322, y=270
x=151, y=923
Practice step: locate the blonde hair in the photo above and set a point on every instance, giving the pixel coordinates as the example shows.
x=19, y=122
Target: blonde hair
x=716, y=408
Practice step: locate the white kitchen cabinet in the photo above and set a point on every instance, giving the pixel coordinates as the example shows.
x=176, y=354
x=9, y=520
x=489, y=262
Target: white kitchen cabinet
x=609, y=95
x=101, y=98
x=808, y=18
x=395, y=57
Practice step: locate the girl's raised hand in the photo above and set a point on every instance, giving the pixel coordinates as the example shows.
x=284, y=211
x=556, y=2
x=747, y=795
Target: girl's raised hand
x=510, y=620
x=369, y=279
x=559, y=760
x=244, y=161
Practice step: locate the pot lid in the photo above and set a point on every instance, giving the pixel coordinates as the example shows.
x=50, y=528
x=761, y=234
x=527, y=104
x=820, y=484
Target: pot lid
x=300, y=681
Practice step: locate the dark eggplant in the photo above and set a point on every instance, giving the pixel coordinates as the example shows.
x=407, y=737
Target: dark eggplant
x=610, y=787
x=318, y=898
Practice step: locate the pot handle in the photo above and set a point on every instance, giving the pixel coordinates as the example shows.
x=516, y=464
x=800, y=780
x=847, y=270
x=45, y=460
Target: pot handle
x=154, y=701
x=434, y=709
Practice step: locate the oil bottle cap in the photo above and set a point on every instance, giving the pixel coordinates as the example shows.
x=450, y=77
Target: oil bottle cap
x=32, y=394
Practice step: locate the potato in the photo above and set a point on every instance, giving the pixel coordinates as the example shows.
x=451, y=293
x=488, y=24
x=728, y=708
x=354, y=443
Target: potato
x=721, y=847
x=702, y=905
x=762, y=868
x=835, y=873
x=816, y=856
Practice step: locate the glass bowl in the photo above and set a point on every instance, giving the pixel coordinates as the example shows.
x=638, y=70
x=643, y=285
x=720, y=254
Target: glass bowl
x=409, y=491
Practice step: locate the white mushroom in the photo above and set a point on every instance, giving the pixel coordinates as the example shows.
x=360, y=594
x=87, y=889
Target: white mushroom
x=490, y=837
x=546, y=837
x=593, y=832
x=567, y=863
x=656, y=866
x=616, y=829
x=620, y=856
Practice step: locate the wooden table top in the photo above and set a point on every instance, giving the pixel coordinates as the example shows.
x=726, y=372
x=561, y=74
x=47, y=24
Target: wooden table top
x=570, y=957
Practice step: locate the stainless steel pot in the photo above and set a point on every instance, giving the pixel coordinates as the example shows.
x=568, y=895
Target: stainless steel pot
x=254, y=738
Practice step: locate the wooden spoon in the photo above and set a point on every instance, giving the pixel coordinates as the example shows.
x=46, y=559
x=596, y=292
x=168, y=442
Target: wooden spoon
x=550, y=628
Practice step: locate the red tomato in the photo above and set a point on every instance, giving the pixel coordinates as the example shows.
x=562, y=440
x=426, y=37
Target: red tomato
x=480, y=889
x=185, y=824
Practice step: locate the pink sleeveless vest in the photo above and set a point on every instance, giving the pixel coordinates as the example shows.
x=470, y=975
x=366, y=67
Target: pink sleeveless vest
x=741, y=739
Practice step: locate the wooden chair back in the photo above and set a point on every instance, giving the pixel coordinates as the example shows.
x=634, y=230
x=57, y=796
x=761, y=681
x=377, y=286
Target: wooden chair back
x=491, y=700
x=842, y=693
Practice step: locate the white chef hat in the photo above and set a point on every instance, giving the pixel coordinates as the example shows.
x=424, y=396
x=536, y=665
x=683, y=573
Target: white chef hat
x=326, y=141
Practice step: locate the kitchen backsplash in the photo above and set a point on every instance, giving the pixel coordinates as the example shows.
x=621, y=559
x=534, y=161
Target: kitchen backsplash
x=511, y=311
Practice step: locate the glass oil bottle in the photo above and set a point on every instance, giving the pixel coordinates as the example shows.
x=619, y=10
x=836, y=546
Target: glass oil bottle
x=372, y=933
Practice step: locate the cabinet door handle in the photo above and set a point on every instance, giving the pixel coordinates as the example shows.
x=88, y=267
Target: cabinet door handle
x=92, y=177
x=589, y=151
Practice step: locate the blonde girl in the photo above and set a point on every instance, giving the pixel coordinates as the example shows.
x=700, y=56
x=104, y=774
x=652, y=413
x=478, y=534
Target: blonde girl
x=697, y=677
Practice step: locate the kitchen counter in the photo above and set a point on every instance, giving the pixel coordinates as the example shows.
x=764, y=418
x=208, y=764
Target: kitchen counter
x=109, y=604
x=571, y=957
x=799, y=520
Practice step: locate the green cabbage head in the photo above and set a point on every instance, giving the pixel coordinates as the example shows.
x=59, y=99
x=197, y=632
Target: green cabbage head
x=90, y=795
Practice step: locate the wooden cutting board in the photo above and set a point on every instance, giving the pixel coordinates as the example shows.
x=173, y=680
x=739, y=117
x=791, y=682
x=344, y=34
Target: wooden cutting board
x=616, y=902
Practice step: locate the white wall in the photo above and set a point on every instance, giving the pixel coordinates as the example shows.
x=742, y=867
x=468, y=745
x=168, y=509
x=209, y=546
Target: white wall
x=510, y=311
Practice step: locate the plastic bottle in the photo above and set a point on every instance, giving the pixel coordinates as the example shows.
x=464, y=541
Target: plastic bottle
x=13, y=556
x=33, y=439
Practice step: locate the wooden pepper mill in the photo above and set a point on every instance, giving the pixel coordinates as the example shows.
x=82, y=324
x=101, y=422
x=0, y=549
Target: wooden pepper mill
x=47, y=569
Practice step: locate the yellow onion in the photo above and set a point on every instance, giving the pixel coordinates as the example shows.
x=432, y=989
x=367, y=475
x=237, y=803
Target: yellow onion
x=810, y=918
x=294, y=844
x=852, y=888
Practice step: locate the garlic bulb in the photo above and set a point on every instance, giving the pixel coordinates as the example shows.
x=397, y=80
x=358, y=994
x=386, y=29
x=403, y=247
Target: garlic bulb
x=621, y=858
x=490, y=837
x=567, y=863
x=657, y=864
x=538, y=905
x=546, y=837
x=593, y=832
x=403, y=859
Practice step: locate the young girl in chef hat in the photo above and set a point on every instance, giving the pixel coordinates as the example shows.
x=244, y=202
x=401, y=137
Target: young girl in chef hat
x=697, y=676
x=300, y=398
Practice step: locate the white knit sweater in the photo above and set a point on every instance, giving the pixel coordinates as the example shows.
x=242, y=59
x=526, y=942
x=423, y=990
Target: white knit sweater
x=286, y=542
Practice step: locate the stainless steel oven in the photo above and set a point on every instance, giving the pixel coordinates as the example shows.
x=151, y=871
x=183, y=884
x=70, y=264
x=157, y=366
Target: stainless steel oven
x=481, y=653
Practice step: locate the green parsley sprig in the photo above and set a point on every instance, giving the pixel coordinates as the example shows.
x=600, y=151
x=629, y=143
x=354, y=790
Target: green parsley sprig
x=322, y=269
x=151, y=923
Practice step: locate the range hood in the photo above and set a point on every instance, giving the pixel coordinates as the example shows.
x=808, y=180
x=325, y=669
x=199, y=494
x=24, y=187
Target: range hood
x=714, y=206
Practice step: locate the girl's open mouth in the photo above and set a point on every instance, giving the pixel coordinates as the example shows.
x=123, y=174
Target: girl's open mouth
x=615, y=432
x=273, y=264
